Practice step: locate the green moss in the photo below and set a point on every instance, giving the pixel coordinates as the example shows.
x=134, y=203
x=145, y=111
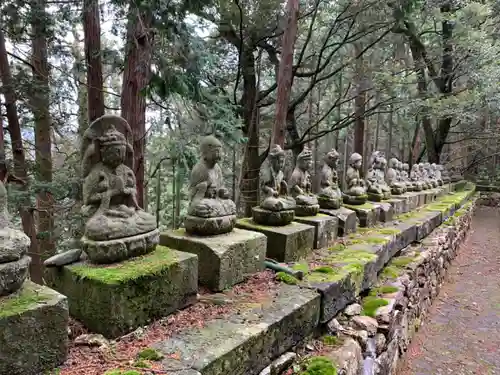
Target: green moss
x=356, y=241
x=286, y=278
x=388, y=231
x=384, y=289
x=338, y=247
x=19, y=302
x=331, y=340
x=321, y=277
x=375, y=240
x=318, y=366
x=131, y=269
x=324, y=269
x=390, y=272
x=370, y=305
x=351, y=256
x=249, y=223
x=141, y=364
x=150, y=354
x=402, y=261
x=301, y=266
x=122, y=372
x=365, y=206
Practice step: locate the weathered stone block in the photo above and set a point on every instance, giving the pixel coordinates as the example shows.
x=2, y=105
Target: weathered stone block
x=398, y=205
x=286, y=243
x=325, y=228
x=247, y=341
x=33, y=330
x=412, y=201
x=421, y=198
x=385, y=211
x=117, y=298
x=367, y=214
x=223, y=260
x=347, y=219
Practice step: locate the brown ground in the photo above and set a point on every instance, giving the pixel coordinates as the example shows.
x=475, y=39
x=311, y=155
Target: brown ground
x=461, y=334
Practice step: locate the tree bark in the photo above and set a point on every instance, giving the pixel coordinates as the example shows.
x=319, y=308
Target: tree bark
x=135, y=78
x=20, y=169
x=92, y=32
x=285, y=73
x=359, y=102
x=43, y=124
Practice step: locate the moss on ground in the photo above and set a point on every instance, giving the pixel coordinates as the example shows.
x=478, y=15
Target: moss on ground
x=370, y=305
x=286, y=278
x=318, y=366
x=391, y=231
x=381, y=290
x=149, y=354
x=301, y=266
x=330, y=340
x=21, y=301
x=390, y=272
x=140, y=363
x=402, y=261
x=152, y=263
x=122, y=372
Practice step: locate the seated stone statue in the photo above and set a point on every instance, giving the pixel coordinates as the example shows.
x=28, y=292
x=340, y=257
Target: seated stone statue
x=397, y=187
x=445, y=174
x=14, y=259
x=425, y=176
x=437, y=174
x=210, y=210
x=415, y=178
x=300, y=186
x=276, y=207
x=356, y=188
x=406, y=177
x=330, y=196
x=374, y=178
x=386, y=189
x=399, y=174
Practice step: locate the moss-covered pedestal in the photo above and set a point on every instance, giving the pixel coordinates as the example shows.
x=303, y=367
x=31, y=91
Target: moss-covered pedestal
x=33, y=330
x=225, y=259
x=367, y=213
x=398, y=205
x=411, y=200
x=117, y=298
x=385, y=211
x=325, y=228
x=347, y=220
x=285, y=243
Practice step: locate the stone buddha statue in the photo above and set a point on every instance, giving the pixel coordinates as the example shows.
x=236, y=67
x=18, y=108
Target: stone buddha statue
x=400, y=178
x=415, y=178
x=375, y=178
x=437, y=174
x=276, y=206
x=356, y=188
x=406, y=177
x=386, y=189
x=210, y=210
x=300, y=186
x=431, y=175
x=110, y=195
x=330, y=196
x=445, y=174
x=425, y=177
x=393, y=180
x=14, y=246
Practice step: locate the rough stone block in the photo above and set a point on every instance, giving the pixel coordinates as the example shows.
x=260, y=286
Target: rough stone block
x=412, y=201
x=398, y=205
x=421, y=198
x=247, y=341
x=325, y=228
x=385, y=211
x=367, y=214
x=116, y=299
x=286, y=243
x=33, y=330
x=347, y=220
x=223, y=260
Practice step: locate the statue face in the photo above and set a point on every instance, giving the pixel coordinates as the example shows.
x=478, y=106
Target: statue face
x=305, y=164
x=113, y=155
x=278, y=162
x=332, y=161
x=358, y=164
x=213, y=153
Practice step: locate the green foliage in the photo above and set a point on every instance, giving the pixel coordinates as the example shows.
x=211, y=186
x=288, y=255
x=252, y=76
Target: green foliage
x=149, y=354
x=318, y=366
x=286, y=278
x=370, y=305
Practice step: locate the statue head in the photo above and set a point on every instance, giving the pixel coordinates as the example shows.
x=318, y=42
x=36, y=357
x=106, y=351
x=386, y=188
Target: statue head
x=393, y=163
x=375, y=159
x=414, y=167
x=112, y=147
x=356, y=161
x=406, y=167
x=304, y=159
x=211, y=148
x=332, y=158
x=277, y=158
x=382, y=163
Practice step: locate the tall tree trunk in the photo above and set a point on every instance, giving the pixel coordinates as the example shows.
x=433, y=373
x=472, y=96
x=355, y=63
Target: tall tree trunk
x=92, y=32
x=135, y=79
x=359, y=102
x=388, y=151
x=285, y=73
x=43, y=123
x=20, y=168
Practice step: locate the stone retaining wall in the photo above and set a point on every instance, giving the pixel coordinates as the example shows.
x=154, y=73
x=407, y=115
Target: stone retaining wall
x=364, y=339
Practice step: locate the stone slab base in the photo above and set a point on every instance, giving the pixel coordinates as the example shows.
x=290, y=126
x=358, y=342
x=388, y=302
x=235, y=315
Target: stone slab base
x=411, y=200
x=120, y=297
x=385, y=211
x=398, y=205
x=33, y=330
x=366, y=213
x=347, y=219
x=286, y=243
x=247, y=341
x=325, y=228
x=223, y=260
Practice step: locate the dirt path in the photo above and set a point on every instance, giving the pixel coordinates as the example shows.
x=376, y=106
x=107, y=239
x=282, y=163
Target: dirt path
x=461, y=334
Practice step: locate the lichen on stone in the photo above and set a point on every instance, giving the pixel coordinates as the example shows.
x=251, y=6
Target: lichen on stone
x=381, y=290
x=20, y=301
x=370, y=305
x=286, y=278
x=330, y=340
x=150, y=354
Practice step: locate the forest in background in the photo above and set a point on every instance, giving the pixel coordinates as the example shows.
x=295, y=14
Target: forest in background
x=416, y=79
